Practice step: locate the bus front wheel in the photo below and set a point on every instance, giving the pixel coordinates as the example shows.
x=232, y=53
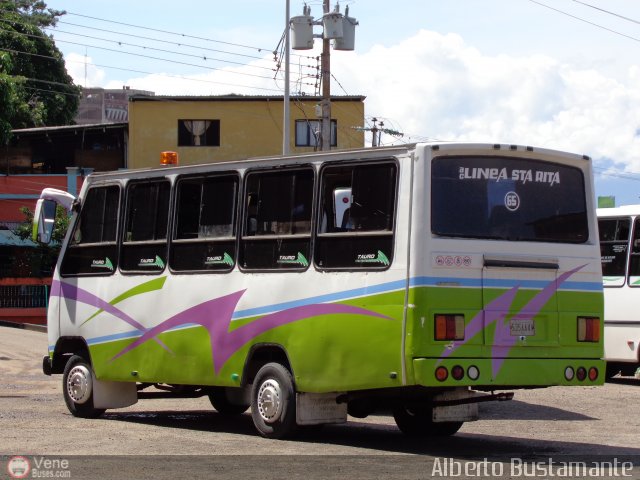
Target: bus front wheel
x=418, y=422
x=273, y=401
x=77, y=388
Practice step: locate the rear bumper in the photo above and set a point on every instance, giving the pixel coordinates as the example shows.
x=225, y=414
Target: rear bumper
x=507, y=373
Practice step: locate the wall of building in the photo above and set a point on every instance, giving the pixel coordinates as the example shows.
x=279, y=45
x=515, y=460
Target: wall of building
x=249, y=127
x=23, y=190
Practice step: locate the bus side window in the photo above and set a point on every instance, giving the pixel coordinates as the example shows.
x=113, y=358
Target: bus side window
x=614, y=239
x=634, y=260
x=205, y=235
x=277, y=219
x=144, y=246
x=93, y=249
x=356, y=199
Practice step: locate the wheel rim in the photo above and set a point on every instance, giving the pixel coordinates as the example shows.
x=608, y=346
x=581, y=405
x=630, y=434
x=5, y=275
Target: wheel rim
x=79, y=384
x=270, y=400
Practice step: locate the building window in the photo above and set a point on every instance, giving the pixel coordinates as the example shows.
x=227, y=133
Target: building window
x=198, y=133
x=308, y=133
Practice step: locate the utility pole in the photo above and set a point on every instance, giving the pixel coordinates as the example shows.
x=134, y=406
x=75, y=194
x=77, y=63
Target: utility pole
x=377, y=130
x=337, y=27
x=286, y=114
x=326, y=89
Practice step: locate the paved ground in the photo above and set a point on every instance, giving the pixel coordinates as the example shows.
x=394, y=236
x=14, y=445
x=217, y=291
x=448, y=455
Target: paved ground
x=585, y=422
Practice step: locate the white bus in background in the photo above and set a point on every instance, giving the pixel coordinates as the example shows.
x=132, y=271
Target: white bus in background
x=620, y=249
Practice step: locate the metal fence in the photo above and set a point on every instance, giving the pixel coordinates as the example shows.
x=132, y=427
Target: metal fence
x=23, y=296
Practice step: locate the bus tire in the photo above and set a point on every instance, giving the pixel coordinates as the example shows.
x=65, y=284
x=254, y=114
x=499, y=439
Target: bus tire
x=418, y=422
x=220, y=401
x=77, y=388
x=273, y=402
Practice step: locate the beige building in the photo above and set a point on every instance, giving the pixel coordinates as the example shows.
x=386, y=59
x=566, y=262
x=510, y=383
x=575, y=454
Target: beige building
x=234, y=127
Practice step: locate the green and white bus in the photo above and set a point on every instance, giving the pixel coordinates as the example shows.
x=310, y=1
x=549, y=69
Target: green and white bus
x=620, y=248
x=419, y=279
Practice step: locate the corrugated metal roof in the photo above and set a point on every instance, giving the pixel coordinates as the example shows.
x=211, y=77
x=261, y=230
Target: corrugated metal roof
x=92, y=126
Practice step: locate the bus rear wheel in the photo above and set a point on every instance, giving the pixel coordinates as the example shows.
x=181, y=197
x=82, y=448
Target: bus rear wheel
x=220, y=401
x=77, y=388
x=418, y=422
x=273, y=402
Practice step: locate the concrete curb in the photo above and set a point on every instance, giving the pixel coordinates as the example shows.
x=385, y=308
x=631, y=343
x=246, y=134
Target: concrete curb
x=24, y=326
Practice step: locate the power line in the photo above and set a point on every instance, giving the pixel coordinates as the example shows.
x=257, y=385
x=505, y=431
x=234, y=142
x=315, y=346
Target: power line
x=586, y=21
x=59, y=84
x=77, y=95
x=139, y=54
x=143, y=72
x=191, y=55
x=153, y=39
x=607, y=11
x=259, y=49
x=298, y=81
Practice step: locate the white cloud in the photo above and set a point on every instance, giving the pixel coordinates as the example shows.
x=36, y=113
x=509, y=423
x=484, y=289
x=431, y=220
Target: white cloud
x=83, y=71
x=437, y=86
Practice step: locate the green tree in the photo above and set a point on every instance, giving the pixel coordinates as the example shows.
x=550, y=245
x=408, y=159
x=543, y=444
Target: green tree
x=41, y=259
x=35, y=88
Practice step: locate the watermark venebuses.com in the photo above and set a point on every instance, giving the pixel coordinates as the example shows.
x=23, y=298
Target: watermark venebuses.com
x=517, y=467
x=37, y=467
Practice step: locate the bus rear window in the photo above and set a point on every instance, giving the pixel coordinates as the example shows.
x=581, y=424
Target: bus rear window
x=506, y=198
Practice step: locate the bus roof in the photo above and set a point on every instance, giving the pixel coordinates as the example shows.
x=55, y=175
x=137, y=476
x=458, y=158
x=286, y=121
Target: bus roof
x=337, y=154
x=618, y=211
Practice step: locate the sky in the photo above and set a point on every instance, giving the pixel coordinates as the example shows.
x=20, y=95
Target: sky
x=560, y=74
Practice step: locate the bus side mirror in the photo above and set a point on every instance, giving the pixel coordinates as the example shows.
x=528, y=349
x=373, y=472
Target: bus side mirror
x=43, y=220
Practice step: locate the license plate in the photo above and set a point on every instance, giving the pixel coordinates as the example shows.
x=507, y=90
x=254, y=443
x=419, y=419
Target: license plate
x=522, y=327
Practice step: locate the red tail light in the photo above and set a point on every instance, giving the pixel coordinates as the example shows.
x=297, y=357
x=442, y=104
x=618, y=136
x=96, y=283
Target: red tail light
x=588, y=329
x=449, y=327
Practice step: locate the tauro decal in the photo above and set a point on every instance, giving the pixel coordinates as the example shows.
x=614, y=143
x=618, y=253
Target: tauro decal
x=100, y=263
x=151, y=262
x=300, y=259
x=373, y=258
x=219, y=260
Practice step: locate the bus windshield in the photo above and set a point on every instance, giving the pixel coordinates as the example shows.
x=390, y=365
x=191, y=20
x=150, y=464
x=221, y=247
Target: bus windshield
x=508, y=199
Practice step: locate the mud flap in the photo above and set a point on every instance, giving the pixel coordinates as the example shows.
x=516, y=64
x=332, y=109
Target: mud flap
x=113, y=394
x=318, y=408
x=463, y=412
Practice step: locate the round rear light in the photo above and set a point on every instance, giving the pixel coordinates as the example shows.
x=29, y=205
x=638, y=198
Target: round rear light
x=457, y=372
x=581, y=373
x=593, y=374
x=569, y=373
x=442, y=374
x=473, y=372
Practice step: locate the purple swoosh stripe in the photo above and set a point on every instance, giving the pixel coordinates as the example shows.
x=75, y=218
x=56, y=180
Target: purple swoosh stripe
x=215, y=316
x=225, y=343
x=64, y=290
x=503, y=340
x=493, y=311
